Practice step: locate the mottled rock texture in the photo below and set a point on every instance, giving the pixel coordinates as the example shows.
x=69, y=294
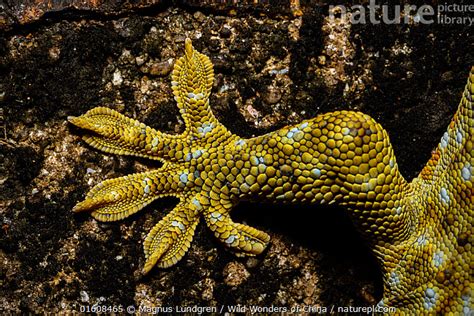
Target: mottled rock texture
x=272, y=68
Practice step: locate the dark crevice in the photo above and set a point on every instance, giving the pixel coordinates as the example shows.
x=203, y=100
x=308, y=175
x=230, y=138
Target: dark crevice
x=74, y=15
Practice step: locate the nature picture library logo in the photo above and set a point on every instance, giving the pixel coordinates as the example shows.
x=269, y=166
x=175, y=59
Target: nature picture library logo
x=446, y=13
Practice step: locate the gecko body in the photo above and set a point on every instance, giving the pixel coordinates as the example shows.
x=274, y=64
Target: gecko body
x=420, y=232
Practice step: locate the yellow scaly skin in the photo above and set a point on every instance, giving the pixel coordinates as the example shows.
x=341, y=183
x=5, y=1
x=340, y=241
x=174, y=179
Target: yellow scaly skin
x=421, y=232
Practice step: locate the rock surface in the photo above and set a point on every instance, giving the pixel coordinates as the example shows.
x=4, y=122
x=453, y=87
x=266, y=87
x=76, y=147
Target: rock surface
x=273, y=67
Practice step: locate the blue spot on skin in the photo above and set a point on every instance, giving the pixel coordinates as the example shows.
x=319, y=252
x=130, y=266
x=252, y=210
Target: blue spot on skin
x=188, y=157
x=430, y=299
x=444, y=140
x=196, y=203
x=146, y=189
x=430, y=293
x=438, y=258
x=292, y=132
x=215, y=216
x=209, y=126
x=422, y=240
x=254, y=161
x=392, y=163
x=466, y=310
x=231, y=239
x=466, y=298
x=183, y=178
x=205, y=128
x=316, y=173
x=394, y=280
x=466, y=172
x=261, y=165
x=459, y=137
x=304, y=125
x=196, y=174
x=240, y=142
x=444, y=196
x=199, y=96
x=197, y=153
x=178, y=224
